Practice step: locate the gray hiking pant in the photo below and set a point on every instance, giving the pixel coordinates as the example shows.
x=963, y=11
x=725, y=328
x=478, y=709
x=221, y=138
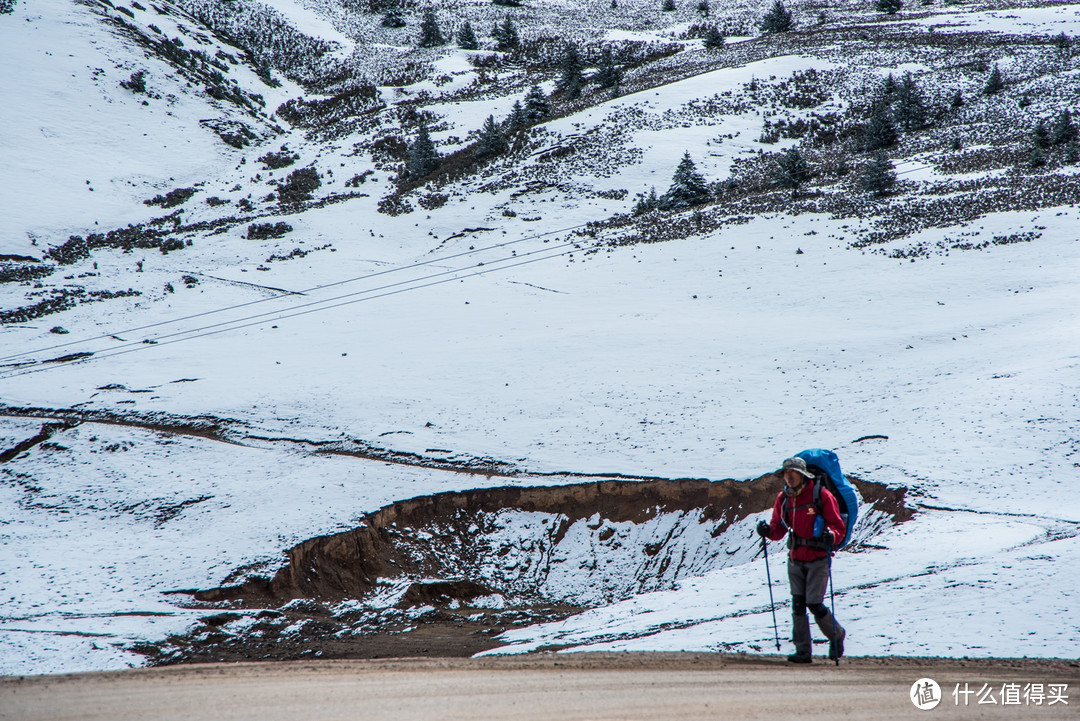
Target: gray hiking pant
x=809, y=580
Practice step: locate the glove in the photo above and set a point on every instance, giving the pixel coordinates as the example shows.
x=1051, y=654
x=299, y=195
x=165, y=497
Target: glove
x=763, y=529
x=827, y=536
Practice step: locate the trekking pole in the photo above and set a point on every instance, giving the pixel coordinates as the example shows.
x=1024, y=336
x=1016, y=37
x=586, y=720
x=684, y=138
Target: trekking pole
x=832, y=606
x=768, y=577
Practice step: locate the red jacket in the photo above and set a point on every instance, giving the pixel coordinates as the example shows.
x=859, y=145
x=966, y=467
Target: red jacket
x=801, y=521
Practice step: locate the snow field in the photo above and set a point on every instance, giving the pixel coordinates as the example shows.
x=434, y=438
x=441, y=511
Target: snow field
x=714, y=356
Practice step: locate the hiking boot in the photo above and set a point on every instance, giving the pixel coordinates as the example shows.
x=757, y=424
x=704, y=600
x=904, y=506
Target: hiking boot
x=800, y=658
x=800, y=635
x=836, y=648
x=834, y=632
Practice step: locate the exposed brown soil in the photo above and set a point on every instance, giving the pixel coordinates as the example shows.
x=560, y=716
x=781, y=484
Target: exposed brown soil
x=348, y=564
x=435, y=548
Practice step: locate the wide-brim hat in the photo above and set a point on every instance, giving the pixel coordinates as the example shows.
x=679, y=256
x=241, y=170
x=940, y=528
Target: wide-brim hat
x=796, y=464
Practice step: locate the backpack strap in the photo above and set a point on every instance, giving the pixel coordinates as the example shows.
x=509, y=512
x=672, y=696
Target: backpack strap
x=819, y=520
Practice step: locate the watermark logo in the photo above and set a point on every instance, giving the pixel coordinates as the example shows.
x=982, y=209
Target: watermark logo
x=925, y=694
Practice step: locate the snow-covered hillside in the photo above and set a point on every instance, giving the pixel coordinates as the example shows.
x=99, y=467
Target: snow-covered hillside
x=197, y=359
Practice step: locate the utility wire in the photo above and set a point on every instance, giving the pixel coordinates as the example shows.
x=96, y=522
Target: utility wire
x=368, y=276
x=108, y=351
x=324, y=286
x=294, y=314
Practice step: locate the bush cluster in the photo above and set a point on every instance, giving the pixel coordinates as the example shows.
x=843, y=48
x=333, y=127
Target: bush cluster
x=267, y=231
x=173, y=198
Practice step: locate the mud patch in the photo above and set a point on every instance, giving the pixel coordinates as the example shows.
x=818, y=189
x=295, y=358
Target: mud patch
x=445, y=574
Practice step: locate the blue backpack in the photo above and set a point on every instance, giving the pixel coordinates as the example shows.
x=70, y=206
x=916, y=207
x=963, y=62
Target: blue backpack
x=827, y=474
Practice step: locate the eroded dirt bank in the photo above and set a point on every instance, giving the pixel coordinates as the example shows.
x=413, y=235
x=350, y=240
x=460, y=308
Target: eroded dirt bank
x=543, y=686
x=403, y=539
x=444, y=575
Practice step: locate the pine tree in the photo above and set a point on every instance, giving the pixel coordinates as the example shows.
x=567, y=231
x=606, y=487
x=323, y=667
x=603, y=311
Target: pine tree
x=647, y=202
x=466, y=38
x=422, y=159
x=607, y=75
x=880, y=132
x=994, y=82
x=1040, y=135
x=668, y=6
x=889, y=7
x=878, y=176
x=703, y=8
x=688, y=187
x=888, y=85
x=791, y=171
x=614, y=4
x=430, y=36
x=570, y=72
x=777, y=20
x=1062, y=41
x=910, y=110
x=490, y=140
x=517, y=119
x=957, y=99
x=1036, y=158
x=713, y=38
x=537, y=107
x=506, y=36
x=1064, y=131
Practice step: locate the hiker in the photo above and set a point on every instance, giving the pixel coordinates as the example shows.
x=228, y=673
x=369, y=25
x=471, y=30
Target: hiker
x=795, y=513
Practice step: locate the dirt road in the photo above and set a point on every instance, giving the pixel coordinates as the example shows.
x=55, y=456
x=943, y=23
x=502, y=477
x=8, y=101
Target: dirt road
x=546, y=686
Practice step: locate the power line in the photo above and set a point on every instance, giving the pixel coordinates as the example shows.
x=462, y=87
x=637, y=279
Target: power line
x=230, y=325
x=286, y=315
x=313, y=304
x=368, y=276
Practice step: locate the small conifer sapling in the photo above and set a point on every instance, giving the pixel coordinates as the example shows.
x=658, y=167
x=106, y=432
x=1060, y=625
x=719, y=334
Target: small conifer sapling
x=994, y=82
x=777, y=20
x=466, y=37
x=430, y=35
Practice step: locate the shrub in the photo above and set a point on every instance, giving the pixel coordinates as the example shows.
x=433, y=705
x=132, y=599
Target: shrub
x=299, y=186
x=280, y=159
x=356, y=180
x=431, y=201
x=179, y=196
x=23, y=272
x=393, y=205
x=266, y=231
x=136, y=83
x=170, y=244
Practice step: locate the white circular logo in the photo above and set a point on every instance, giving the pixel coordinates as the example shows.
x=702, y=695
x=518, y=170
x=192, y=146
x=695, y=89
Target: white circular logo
x=925, y=694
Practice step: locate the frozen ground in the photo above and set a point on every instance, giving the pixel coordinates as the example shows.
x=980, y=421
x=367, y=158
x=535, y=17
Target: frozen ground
x=711, y=356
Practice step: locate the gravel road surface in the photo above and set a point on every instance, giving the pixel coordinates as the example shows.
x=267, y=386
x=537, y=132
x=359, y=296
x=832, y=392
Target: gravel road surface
x=585, y=686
